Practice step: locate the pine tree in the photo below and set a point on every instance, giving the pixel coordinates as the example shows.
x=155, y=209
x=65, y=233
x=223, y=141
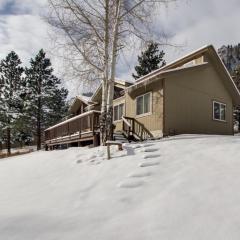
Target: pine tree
x=22, y=132
x=45, y=98
x=58, y=107
x=2, y=132
x=10, y=94
x=150, y=60
x=236, y=78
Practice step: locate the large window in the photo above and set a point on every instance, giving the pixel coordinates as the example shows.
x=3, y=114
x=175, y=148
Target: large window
x=143, y=104
x=219, y=111
x=118, y=112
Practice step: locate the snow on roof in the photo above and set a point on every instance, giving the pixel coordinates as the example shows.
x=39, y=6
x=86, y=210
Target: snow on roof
x=84, y=98
x=121, y=81
x=171, y=63
x=137, y=84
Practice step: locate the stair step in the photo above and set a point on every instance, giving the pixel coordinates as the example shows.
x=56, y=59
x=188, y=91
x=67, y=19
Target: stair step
x=118, y=136
x=123, y=138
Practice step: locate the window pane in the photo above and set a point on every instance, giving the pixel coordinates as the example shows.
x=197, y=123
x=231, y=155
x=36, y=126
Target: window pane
x=147, y=103
x=140, y=105
x=120, y=113
x=216, y=111
x=223, y=112
x=115, y=113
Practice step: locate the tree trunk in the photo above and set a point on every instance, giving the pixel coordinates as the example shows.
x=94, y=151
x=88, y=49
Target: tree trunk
x=103, y=118
x=39, y=125
x=103, y=114
x=239, y=120
x=8, y=142
x=113, y=72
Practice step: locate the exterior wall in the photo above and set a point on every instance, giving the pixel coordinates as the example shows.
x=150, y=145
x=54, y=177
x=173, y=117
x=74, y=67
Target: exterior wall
x=200, y=59
x=80, y=108
x=153, y=121
x=118, y=124
x=188, y=102
x=96, y=107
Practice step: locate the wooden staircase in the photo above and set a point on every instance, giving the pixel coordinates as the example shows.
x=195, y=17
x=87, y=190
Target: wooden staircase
x=120, y=137
x=134, y=130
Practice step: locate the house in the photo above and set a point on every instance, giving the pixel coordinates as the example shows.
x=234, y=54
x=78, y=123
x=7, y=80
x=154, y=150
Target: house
x=192, y=95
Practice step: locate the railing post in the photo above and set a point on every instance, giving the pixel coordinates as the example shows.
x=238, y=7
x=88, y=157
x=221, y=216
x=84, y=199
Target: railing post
x=133, y=126
x=80, y=127
x=92, y=124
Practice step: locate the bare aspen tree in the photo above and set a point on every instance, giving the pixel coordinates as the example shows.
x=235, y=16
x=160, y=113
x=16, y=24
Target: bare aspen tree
x=114, y=49
x=95, y=31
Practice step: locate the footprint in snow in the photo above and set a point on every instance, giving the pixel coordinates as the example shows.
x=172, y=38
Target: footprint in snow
x=148, y=145
x=79, y=161
x=150, y=149
x=130, y=184
x=151, y=156
x=149, y=164
x=140, y=174
x=136, y=146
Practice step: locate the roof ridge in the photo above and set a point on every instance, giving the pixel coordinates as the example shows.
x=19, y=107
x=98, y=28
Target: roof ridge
x=174, y=62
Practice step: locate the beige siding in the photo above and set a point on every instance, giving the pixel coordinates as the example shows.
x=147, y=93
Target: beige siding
x=188, y=102
x=118, y=124
x=154, y=121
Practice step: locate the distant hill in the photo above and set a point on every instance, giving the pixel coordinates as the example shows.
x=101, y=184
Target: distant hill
x=231, y=56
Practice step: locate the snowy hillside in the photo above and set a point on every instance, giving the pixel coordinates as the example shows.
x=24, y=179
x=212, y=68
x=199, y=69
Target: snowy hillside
x=185, y=187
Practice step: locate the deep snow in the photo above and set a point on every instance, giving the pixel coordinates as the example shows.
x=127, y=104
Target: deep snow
x=186, y=187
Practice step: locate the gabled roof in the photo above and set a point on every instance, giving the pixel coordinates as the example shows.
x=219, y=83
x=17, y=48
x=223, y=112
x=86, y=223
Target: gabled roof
x=80, y=98
x=118, y=82
x=84, y=99
x=178, y=64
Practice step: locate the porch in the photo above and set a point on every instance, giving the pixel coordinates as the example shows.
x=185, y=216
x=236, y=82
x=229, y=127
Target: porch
x=80, y=130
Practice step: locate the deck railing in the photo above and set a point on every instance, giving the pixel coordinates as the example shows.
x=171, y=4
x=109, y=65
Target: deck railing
x=76, y=126
x=132, y=128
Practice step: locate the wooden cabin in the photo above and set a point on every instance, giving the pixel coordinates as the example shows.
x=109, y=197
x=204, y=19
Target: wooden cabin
x=192, y=95
x=83, y=126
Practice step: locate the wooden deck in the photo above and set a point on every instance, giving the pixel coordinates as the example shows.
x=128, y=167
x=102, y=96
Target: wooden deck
x=77, y=130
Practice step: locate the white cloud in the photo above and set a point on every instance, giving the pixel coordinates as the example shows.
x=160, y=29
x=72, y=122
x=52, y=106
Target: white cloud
x=22, y=6
x=192, y=23
x=25, y=34
x=22, y=29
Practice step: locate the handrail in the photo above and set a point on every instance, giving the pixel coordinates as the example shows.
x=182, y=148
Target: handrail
x=88, y=121
x=72, y=119
x=126, y=121
x=135, y=128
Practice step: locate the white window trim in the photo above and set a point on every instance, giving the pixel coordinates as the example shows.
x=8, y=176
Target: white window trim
x=144, y=114
x=117, y=105
x=215, y=119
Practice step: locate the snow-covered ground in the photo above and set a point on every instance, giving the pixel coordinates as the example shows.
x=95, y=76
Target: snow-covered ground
x=20, y=150
x=186, y=187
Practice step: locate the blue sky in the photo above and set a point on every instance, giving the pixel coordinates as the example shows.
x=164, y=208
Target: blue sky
x=7, y=8
x=191, y=23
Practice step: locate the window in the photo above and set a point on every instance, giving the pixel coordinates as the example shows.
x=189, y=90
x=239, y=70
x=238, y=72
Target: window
x=143, y=104
x=219, y=111
x=118, y=112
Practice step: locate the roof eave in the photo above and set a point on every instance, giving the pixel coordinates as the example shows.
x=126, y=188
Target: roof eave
x=235, y=93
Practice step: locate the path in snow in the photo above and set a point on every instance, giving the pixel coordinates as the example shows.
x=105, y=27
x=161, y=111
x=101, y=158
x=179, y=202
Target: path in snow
x=192, y=194
x=132, y=183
